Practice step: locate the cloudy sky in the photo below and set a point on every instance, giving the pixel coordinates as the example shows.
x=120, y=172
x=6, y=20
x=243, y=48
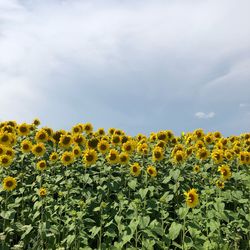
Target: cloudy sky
x=138, y=65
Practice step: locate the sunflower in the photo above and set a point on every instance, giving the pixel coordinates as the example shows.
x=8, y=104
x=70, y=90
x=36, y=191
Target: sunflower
x=135, y=169
x=218, y=156
x=158, y=154
x=169, y=134
x=220, y=184
x=124, y=158
x=196, y=168
x=208, y=138
x=53, y=157
x=113, y=156
x=111, y=131
x=76, y=129
x=67, y=158
x=38, y=149
x=242, y=157
x=151, y=170
x=199, y=144
x=79, y=139
x=41, y=165
x=89, y=157
x=103, y=146
x=23, y=129
x=92, y=143
x=101, y=131
x=162, y=136
x=5, y=138
x=2, y=150
x=116, y=139
x=36, y=122
x=189, y=151
x=228, y=155
x=57, y=135
x=179, y=156
x=192, y=198
x=88, y=128
x=9, y=183
x=65, y=141
x=42, y=192
x=142, y=148
x=5, y=160
x=153, y=137
x=202, y=154
x=161, y=144
x=76, y=151
x=128, y=147
x=41, y=136
x=10, y=152
x=217, y=135
x=26, y=146
x=225, y=172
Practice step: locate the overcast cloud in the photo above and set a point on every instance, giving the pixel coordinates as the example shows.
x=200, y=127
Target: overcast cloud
x=140, y=65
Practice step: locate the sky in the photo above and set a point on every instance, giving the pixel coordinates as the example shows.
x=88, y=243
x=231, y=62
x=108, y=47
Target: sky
x=138, y=65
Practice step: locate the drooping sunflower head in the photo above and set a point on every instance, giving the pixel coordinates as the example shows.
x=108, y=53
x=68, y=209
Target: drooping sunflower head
x=23, y=129
x=26, y=146
x=158, y=154
x=179, y=156
x=192, y=198
x=9, y=183
x=103, y=146
x=202, y=154
x=151, y=170
x=41, y=165
x=225, y=172
x=42, y=192
x=38, y=149
x=135, y=169
x=90, y=157
x=124, y=158
x=67, y=158
x=113, y=157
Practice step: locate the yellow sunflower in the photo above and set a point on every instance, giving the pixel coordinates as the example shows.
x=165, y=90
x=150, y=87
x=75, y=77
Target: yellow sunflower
x=113, y=156
x=196, y=168
x=162, y=136
x=135, y=169
x=158, y=154
x=36, y=122
x=220, y=184
x=76, y=129
x=9, y=183
x=5, y=138
x=116, y=139
x=41, y=136
x=38, y=149
x=65, y=141
x=202, y=154
x=128, y=147
x=67, y=158
x=101, y=131
x=151, y=170
x=225, y=172
x=53, y=157
x=76, y=151
x=41, y=165
x=42, y=192
x=5, y=160
x=124, y=158
x=103, y=146
x=2, y=150
x=88, y=127
x=79, y=139
x=23, y=129
x=26, y=146
x=179, y=156
x=217, y=156
x=192, y=198
x=90, y=157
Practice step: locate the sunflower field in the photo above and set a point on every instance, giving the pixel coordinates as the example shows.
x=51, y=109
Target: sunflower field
x=86, y=189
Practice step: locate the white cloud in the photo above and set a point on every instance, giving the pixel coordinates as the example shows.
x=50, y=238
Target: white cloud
x=202, y=115
x=244, y=105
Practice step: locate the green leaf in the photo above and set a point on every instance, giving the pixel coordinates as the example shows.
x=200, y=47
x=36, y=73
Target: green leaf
x=27, y=229
x=143, y=192
x=70, y=239
x=174, y=230
x=132, y=184
x=166, y=179
x=94, y=231
x=182, y=212
x=144, y=221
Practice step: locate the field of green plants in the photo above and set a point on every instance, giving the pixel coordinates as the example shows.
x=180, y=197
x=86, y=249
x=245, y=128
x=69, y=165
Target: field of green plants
x=95, y=189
